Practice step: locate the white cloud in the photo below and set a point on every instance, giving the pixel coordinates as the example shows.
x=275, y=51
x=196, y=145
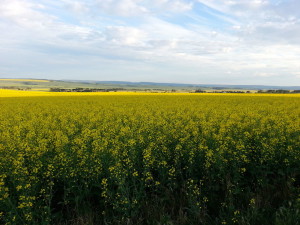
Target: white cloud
x=126, y=36
x=130, y=8
x=263, y=74
x=122, y=7
x=24, y=13
x=235, y=6
x=77, y=6
x=172, y=5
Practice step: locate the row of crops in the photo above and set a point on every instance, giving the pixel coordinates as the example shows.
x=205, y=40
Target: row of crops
x=150, y=159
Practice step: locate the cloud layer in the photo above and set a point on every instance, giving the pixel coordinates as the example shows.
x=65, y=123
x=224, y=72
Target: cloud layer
x=191, y=41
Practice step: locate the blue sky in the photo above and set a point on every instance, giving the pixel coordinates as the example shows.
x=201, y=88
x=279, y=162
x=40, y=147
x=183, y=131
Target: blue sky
x=180, y=41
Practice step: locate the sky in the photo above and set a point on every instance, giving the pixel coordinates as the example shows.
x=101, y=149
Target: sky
x=176, y=41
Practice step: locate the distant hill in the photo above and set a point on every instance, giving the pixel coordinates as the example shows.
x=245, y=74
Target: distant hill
x=210, y=86
x=44, y=84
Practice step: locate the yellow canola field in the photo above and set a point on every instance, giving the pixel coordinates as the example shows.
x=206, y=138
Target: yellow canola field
x=17, y=93
x=141, y=158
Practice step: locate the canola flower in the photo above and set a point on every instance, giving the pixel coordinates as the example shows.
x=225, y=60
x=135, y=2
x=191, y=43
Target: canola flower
x=132, y=157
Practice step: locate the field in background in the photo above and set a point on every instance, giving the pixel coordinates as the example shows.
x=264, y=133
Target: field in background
x=112, y=86
x=150, y=159
x=23, y=80
x=40, y=84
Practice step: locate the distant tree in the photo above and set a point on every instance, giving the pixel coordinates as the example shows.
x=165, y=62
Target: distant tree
x=199, y=91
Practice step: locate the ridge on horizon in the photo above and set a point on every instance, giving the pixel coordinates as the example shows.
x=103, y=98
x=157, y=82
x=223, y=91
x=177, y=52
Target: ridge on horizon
x=169, y=84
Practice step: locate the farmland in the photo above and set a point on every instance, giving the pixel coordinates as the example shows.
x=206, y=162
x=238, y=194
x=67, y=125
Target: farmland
x=125, y=158
x=141, y=87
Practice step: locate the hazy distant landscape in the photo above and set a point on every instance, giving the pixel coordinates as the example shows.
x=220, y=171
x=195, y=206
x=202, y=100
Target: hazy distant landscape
x=67, y=85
